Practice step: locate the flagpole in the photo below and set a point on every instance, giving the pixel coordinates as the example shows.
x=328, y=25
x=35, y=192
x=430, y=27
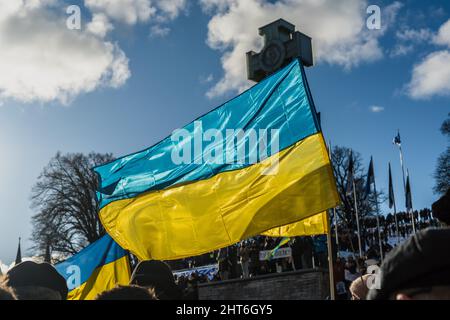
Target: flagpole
x=334, y=209
x=378, y=219
x=330, y=259
x=396, y=223
x=391, y=190
x=357, y=220
x=403, y=167
x=411, y=209
x=399, y=144
x=336, y=230
x=329, y=242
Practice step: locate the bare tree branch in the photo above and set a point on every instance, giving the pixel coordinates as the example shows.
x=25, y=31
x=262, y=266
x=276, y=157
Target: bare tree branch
x=66, y=205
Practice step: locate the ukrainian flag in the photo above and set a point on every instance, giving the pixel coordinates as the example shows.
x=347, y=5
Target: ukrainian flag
x=159, y=209
x=97, y=268
x=312, y=226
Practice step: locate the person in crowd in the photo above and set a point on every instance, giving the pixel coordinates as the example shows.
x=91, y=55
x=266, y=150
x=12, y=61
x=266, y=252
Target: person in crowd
x=351, y=273
x=359, y=288
x=320, y=251
x=339, y=278
x=192, y=287
x=372, y=253
x=36, y=281
x=254, y=262
x=297, y=253
x=271, y=265
x=224, y=264
x=128, y=293
x=156, y=275
x=182, y=283
x=386, y=247
x=7, y=293
x=441, y=209
x=233, y=261
x=307, y=249
x=361, y=266
x=418, y=269
x=244, y=257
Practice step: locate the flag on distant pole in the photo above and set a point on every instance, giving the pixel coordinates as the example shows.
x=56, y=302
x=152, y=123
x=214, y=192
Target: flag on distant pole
x=350, y=177
x=370, y=179
x=391, y=190
x=397, y=139
x=398, y=142
x=409, y=205
x=392, y=202
x=19, y=254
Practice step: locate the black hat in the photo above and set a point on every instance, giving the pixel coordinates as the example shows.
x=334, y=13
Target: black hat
x=421, y=261
x=150, y=273
x=156, y=274
x=32, y=274
x=441, y=208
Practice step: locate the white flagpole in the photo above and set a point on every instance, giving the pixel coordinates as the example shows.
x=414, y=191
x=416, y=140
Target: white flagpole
x=330, y=259
x=357, y=220
x=403, y=167
x=336, y=230
x=396, y=222
x=404, y=185
x=395, y=205
x=329, y=242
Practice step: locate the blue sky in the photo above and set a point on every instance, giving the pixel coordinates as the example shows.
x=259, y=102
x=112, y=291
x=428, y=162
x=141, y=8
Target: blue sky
x=176, y=57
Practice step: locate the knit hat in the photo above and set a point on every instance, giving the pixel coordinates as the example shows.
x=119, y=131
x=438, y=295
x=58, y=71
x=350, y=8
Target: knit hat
x=32, y=274
x=421, y=261
x=157, y=275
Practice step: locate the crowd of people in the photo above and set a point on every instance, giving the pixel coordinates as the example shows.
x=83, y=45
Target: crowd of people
x=389, y=229
x=418, y=268
x=243, y=260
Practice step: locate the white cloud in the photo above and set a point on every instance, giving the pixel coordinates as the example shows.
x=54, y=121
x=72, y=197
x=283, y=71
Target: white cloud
x=205, y=79
x=132, y=12
x=99, y=25
x=158, y=31
x=126, y=11
x=338, y=29
x=401, y=50
x=376, y=109
x=443, y=36
x=415, y=35
x=41, y=60
x=408, y=39
x=216, y=5
x=3, y=269
x=170, y=9
x=431, y=76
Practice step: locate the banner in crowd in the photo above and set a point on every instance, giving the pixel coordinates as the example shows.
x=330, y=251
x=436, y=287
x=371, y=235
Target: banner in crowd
x=279, y=254
x=97, y=268
x=170, y=201
x=208, y=271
